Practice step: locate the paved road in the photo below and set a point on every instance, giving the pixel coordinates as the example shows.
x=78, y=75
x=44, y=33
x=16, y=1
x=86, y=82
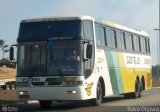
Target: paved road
x=110, y=104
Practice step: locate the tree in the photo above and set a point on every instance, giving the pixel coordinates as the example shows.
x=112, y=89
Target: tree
x=3, y=46
x=155, y=70
x=1, y=43
x=7, y=63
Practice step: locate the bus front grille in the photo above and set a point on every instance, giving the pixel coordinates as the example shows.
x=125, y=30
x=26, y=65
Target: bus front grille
x=46, y=83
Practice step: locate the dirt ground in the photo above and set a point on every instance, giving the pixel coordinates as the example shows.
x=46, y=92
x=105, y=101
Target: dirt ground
x=7, y=73
x=8, y=95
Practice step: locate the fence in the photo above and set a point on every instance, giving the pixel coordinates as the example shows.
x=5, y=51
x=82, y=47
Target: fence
x=155, y=81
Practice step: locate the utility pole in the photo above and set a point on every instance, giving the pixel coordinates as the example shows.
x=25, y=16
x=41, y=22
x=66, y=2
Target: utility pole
x=158, y=50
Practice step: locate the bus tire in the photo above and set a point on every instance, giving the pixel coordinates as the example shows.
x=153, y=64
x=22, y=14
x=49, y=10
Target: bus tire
x=45, y=104
x=99, y=95
x=140, y=89
x=135, y=94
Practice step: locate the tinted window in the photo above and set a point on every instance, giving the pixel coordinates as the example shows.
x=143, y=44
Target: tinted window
x=113, y=34
x=129, y=42
x=88, y=30
x=143, y=45
x=140, y=47
x=136, y=43
x=119, y=43
x=123, y=40
x=109, y=38
x=148, y=44
x=100, y=35
x=50, y=29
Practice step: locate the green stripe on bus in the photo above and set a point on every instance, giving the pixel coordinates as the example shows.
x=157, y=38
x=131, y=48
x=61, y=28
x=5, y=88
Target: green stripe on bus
x=114, y=72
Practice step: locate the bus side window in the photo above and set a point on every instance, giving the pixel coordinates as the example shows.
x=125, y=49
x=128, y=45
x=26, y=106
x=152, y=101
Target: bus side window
x=114, y=42
x=122, y=36
x=149, y=45
x=119, y=42
x=136, y=43
x=146, y=45
x=100, y=35
x=140, y=46
x=88, y=29
x=109, y=38
x=143, y=45
x=131, y=46
x=127, y=42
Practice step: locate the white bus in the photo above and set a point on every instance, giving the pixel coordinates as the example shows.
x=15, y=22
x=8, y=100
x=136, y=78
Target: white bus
x=80, y=58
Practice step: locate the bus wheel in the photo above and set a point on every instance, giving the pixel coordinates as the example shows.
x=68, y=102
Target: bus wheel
x=137, y=89
x=140, y=89
x=45, y=104
x=98, y=100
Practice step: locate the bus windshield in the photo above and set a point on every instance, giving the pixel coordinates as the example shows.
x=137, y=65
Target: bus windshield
x=64, y=57
x=31, y=59
x=50, y=58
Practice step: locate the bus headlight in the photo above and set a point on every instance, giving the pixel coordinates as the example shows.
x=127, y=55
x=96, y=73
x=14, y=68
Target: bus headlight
x=23, y=92
x=72, y=83
x=23, y=95
x=72, y=92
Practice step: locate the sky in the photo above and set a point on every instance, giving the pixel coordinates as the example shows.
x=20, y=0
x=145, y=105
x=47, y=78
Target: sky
x=136, y=14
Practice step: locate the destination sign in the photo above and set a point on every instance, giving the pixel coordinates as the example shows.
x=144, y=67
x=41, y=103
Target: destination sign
x=60, y=38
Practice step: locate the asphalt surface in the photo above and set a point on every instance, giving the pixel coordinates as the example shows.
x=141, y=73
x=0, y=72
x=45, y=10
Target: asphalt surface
x=110, y=104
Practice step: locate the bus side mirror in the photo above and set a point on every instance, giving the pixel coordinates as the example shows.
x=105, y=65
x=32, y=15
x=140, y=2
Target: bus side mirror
x=89, y=51
x=11, y=53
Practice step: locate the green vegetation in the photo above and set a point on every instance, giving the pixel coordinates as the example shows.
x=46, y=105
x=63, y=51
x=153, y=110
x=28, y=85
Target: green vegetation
x=7, y=102
x=7, y=63
x=155, y=70
x=3, y=47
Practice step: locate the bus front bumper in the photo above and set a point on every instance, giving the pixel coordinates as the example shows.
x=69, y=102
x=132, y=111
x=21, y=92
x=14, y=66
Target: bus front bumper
x=52, y=93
